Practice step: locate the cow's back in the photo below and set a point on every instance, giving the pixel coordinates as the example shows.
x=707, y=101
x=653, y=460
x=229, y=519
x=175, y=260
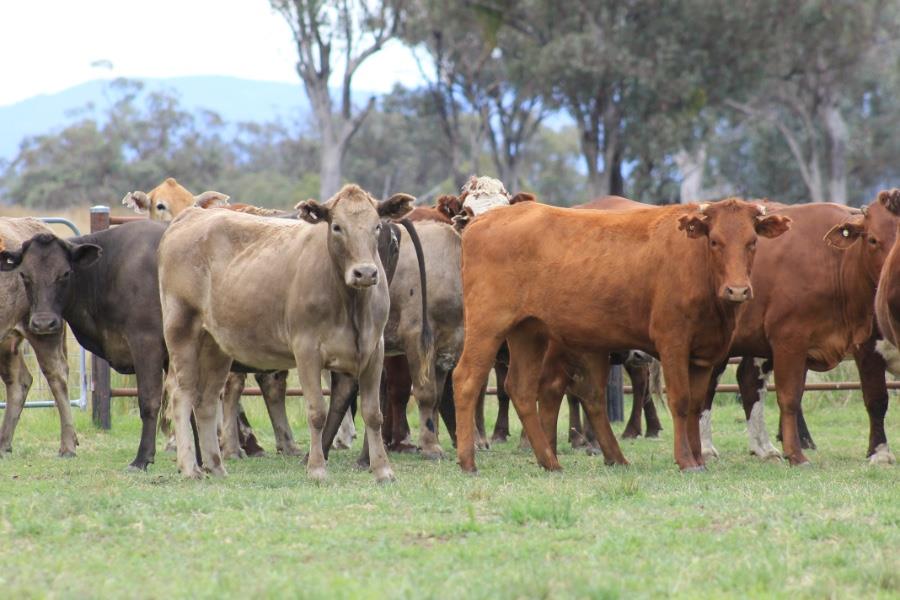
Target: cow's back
x=251, y=278
x=572, y=269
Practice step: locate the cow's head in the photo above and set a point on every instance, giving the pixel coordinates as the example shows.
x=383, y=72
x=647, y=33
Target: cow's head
x=730, y=229
x=355, y=222
x=45, y=264
x=871, y=233
x=168, y=199
x=449, y=206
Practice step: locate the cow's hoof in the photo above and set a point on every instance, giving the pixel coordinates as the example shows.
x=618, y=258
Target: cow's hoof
x=385, y=475
x=767, y=453
x=194, y=473
x=482, y=444
x=709, y=452
x=362, y=464
x=5, y=452
x=803, y=464
x=254, y=452
x=317, y=474
x=139, y=465
x=433, y=453
x=882, y=456
x=592, y=450
x=500, y=438
x=340, y=444
x=652, y=433
x=807, y=444
x=292, y=450
x=217, y=471
x=616, y=462
x=66, y=453
x=631, y=433
x=232, y=454
x=403, y=448
x=695, y=469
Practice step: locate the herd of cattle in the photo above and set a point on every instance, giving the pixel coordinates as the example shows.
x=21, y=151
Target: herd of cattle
x=394, y=300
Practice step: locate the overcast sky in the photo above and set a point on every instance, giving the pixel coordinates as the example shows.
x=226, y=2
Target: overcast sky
x=47, y=46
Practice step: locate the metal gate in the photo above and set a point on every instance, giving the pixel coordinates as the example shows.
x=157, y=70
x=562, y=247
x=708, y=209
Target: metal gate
x=39, y=385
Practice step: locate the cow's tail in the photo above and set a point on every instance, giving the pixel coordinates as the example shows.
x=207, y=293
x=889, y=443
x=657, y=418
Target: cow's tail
x=656, y=383
x=427, y=336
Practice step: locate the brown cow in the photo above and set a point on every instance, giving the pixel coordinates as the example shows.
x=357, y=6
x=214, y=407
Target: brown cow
x=814, y=304
x=333, y=308
x=168, y=199
x=668, y=281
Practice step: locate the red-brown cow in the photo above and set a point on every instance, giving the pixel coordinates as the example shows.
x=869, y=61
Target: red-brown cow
x=667, y=280
x=814, y=303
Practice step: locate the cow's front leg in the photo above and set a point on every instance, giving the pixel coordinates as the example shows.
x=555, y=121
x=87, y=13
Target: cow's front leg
x=369, y=387
x=50, y=351
x=675, y=363
x=18, y=381
x=871, y=366
x=309, y=371
x=790, y=379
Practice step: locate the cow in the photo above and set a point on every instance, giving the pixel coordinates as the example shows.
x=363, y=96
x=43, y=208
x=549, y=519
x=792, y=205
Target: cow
x=168, y=199
x=813, y=306
x=329, y=312
x=18, y=322
x=104, y=286
x=668, y=281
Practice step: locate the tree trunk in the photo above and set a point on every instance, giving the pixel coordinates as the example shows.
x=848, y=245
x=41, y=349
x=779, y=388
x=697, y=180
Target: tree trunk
x=330, y=170
x=691, y=165
x=838, y=136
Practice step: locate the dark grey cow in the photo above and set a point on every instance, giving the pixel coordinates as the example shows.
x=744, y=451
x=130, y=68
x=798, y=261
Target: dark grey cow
x=49, y=348
x=104, y=285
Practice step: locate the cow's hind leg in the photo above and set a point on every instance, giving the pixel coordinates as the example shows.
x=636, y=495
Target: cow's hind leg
x=229, y=436
x=148, y=371
x=501, y=427
x=18, y=381
x=214, y=368
x=426, y=393
x=274, y=391
x=527, y=348
x=595, y=408
x=50, y=351
x=468, y=378
x=344, y=390
x=551, y=389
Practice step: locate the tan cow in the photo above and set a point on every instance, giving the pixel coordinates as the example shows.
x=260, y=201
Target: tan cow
x=328, y=313
x=168, y=199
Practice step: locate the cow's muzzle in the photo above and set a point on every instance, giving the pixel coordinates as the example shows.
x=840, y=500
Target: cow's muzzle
x=44, y=323
x=736, y=293
x=362, y=276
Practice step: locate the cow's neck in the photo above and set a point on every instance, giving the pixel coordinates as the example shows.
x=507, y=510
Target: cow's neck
x=355, y=303
x=857, y=293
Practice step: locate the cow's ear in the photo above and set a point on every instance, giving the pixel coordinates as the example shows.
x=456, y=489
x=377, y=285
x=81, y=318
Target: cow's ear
x=211, y=199
x=694, y=226
x=395, y=207
x=448, y=205
x=313, y=212
x=772, y=226
x=891, y=200
x=844, y=234
x=9, y=260
x=523, y=197
x=137, y=200
x=84, y=255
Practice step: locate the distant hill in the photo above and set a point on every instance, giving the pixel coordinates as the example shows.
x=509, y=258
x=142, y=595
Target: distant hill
x=232, y=98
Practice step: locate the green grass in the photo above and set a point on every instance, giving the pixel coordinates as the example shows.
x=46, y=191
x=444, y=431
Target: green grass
x=86, y=527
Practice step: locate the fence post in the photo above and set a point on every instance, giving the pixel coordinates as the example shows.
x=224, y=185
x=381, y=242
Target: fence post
x=615, y=391
x=100, y=386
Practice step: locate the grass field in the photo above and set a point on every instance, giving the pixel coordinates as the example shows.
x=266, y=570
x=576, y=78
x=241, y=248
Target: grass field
x=86, y=527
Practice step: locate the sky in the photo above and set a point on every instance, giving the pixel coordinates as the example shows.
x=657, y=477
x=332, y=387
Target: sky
x=48, y=46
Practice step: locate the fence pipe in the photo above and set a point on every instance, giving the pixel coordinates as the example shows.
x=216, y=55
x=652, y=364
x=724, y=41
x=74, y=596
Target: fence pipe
x=100, y=384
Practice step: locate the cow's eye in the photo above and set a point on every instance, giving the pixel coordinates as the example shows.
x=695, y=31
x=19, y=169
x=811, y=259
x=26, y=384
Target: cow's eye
x=160, y=206
x=713, y=243
x=751, y=245
x=873, y=241
x=336, y=228
x=64, y=276
x=378, y=228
